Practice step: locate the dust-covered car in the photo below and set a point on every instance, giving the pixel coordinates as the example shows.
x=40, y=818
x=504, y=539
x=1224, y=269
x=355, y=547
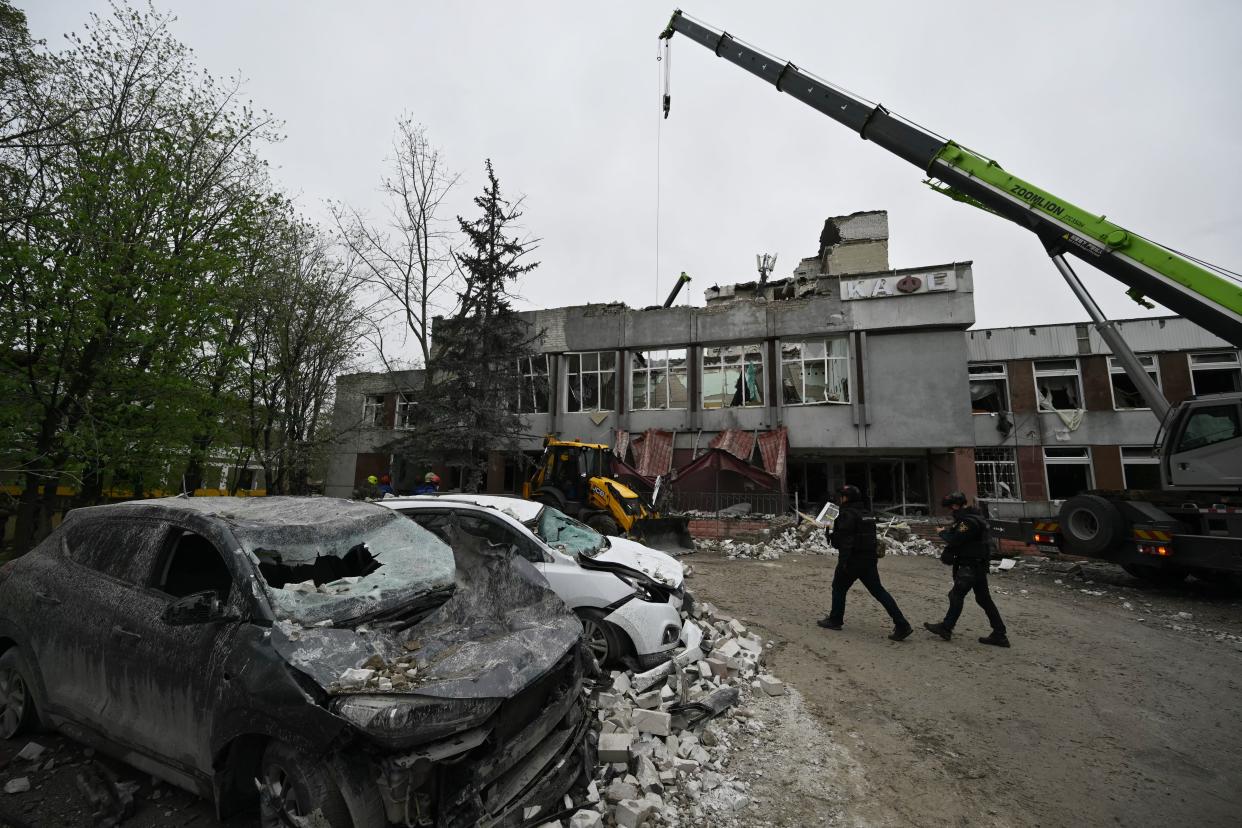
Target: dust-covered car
x=309, y=655
x=628, y=596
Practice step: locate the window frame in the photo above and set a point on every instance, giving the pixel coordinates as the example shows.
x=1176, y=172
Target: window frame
x=826, y=359
x=527, y=380
x=1002, y=375
x=722, y=368
x=1232, y=364
x=1037, y=374
x=602, y=405
x=405, y=407
x=995, y=464
x=1085, y=459
x=373, y=403
x=1146, y=459
x=1116, y=369
x=669, y=372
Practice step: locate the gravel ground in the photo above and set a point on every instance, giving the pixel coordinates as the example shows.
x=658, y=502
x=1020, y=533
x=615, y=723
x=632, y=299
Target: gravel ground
x=1117, y=704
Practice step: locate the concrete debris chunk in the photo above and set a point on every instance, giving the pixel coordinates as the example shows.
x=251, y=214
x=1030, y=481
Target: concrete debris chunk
x=644, y=681
x=630, y=813
x=615, y=747
x=652, y=721
x=355, y=677
x=31, y=752
x=586, y=819
x=619, y=790
x=15, y=786
x=649, y=700
x=772, y=685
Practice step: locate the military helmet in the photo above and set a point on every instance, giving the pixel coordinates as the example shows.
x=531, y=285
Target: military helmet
x=953, y=499
x=852, y=494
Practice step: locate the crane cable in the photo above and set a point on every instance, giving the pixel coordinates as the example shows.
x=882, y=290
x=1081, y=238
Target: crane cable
x=663, y=55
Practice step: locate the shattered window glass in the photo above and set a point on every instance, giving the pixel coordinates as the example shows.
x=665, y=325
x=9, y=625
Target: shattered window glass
x=590, y=380
x=815, y=371
x=555, y=528
x=1125, y=392
x=733, y=376
x=533, y=393
x=346, y=571
x=1056, y=385
x=658, y=380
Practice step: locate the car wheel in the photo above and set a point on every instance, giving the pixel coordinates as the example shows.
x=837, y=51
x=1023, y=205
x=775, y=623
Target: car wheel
x=1091, y=525
x=293, y=787
x=17, y=707
x=602, y=638
x=604, y=524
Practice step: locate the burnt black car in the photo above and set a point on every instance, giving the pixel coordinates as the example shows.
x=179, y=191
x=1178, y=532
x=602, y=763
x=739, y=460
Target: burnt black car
x=306, y=655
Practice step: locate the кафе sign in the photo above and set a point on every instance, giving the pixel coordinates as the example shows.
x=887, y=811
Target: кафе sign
x=880, y=287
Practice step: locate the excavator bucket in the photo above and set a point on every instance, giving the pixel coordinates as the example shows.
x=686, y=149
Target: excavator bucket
x=664, y=533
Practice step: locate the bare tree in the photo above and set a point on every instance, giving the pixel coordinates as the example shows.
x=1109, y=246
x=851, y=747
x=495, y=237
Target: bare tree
x=407, y=258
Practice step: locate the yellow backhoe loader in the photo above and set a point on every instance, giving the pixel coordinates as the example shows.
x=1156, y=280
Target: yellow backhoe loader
x=577, y=479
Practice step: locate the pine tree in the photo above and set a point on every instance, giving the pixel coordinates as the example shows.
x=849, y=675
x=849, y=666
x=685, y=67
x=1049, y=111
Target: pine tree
x=471, y=409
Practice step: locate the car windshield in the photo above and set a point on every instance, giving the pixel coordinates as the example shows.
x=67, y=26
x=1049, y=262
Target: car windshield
x=353, y=570
x=555, y=528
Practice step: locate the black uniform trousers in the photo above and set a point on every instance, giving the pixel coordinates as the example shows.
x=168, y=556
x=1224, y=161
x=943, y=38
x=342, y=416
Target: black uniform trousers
x=972, y=575
x=850, y=569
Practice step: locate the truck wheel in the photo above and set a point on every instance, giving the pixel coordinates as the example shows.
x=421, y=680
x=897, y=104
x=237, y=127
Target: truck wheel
x=1159, y=575
x=17, y=707
x=604, y=524
x=1091, y=526
x=293, y=787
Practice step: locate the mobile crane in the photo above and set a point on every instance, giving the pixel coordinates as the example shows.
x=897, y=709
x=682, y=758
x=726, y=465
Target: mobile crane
x=1194, y=522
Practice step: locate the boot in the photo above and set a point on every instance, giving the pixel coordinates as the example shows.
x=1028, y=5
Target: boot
x=829, y=624
x=939, y=629
x=996, y=640
x=901, y=632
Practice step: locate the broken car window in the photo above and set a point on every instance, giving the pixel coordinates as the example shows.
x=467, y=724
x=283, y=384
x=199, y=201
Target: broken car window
x=348, y=571
x=556, y=528
x=194, y=565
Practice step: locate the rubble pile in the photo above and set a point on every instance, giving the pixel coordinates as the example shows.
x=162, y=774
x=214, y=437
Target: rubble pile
x=807, y=538
x=666, y=735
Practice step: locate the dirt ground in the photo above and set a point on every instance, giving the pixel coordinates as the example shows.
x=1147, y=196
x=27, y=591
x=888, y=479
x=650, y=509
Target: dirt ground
x=1110, y=709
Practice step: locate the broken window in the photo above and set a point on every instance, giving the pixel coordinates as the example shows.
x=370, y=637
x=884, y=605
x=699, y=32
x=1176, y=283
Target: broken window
x=347, y=570
x=815, y=371
x=733, y=376
x=1140, y=468
x=373, y=411
x=533, y=393
x=658, y=380
x=1068, y=470
x=590, y=381
x=1125, y=393
x=1208, y=426
x=193, y=564
x=1215, y=372
x=989, y=388
x=996, y=473
x=1057, y=385
x=405, y=412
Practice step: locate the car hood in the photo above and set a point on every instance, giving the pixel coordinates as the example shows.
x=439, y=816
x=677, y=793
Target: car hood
x=659, y=566
x=502, y=628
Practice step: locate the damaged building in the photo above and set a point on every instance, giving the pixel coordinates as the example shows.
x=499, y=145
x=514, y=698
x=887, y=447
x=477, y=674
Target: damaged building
x=847, y=371
x=809, y=378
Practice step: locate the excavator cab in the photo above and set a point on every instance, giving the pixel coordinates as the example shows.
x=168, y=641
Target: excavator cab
x=577, y=479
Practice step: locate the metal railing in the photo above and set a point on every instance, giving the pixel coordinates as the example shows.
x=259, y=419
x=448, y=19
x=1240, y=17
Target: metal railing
x=725, y=504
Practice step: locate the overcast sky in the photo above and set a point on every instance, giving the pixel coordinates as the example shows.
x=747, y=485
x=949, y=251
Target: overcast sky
x=1131, y=109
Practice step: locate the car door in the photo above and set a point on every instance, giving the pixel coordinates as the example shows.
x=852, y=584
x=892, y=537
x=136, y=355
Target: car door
x=76, y=593
x=163, y=678
x=1208, y=452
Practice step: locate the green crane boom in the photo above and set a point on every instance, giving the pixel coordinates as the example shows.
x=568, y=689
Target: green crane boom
x=1211, y=300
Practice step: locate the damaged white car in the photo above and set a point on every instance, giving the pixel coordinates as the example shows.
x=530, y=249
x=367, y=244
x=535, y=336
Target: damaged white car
x=318, y=658
x=627, y=595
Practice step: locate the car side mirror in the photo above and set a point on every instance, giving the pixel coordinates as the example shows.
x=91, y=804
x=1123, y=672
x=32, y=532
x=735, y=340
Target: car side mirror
x=199, y=608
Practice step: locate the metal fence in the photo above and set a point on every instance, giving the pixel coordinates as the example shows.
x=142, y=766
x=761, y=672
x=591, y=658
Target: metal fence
x=760, y=503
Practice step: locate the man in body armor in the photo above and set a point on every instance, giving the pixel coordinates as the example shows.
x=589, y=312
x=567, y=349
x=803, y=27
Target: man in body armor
x=967, y=549
x=853, y=534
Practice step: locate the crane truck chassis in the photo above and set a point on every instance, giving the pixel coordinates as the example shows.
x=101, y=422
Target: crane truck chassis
x=1193, y=524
